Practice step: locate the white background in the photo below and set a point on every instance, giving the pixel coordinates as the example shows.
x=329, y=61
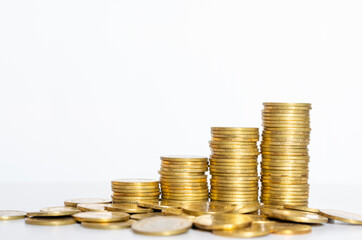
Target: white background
x=96, y=90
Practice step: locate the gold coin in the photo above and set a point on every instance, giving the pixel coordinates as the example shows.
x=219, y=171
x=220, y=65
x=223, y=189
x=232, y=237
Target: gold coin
x=242, y=129
x=162, y=226
x=181, y=198
x=274, y=104
x=234, y=199
x=51, y=214
x=247, y=208
x=185, y=163
x=101, y=216
x=135, y=198
x=184, y=188
x=224, y=174
x=302, y=208
x=240, y=160
x=178, y=184
x=50, y=221
x=183, y=158
x=234, y=189
x=200, y=208
x=109, y=225
x=135, y=182
x=92, y=207
x=60, y=209
x=233, y=178
x=153, y=194
x=342, y=216
x=136, y=187
x=198, y=167
x=233, y=166
x=11, y=214
x=186, y=193
x=145, y=191
x=158, y=205
x=297, y=118
x=140, y=216
x=228, y=170
x=248, y=232
x=290, y=228
x=284, y=132
x=128, y=208
x=222, y=221
x=182, y=180
x=75, y=202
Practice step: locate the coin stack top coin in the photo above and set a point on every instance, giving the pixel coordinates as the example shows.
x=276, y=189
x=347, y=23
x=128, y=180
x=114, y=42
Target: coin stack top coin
x=233, y=164
x=134, y=190
x=285, y=157
x=183, y=178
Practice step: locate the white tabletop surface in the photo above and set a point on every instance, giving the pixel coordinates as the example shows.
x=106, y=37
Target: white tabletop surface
x=33, y=196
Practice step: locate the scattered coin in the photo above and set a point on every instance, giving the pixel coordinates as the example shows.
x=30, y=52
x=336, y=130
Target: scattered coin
x=11, y=214
x=75, y=202
x=140, y=216
x=128, y=208
x=162, y=226
x=290, y=228
x=92, y=207
x=342, y=216
x=294, y=216
x=50, y=221
x=222, y=221
x=101, y=216
x=248, y=232
x=60, y=209
x=110, y=225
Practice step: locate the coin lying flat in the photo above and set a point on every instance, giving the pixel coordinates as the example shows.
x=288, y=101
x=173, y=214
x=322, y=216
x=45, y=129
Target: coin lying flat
x=92, y=207
x=342, y=216
x=290, y=228
x=109, y=226
x=294, y=216
x=248, y=232
x=200, y=208
x=158, y=205
x=50, y=214
x=76, y=201
x=162, y=226
x=222, y=221
x=302, y=208
x=128, y=208
x=140, y=216
x=50, y=221
x=247, y=207
x=101, y=216
x=11, y=214
x=60, y=209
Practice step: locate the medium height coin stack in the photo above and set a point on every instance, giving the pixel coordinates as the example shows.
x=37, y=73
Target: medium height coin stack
x=134, y=190
x=233, y=164
x=285, y=157
x=183, y=178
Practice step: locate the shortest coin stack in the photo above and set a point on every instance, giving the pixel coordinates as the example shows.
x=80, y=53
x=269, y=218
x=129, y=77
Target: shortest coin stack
x=183, y=178
x=135, y=190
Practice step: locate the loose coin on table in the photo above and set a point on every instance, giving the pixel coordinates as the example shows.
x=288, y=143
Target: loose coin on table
x=162, y=226
x=101, y=216
x=60, y=209
x=247, y=232
x=51, y=214
x=222, y=221
x=342, y=216
x=140, y=216
x=110, y=225
x=290, y=228
x=200, y=208
x=302, y=208
x=75, y=202
x=128, y=208
x=295, y=216
x=11, y=214
x=92, y=207
x=47, y=221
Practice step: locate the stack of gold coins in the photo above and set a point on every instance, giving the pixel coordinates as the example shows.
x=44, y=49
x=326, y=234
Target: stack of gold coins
x=285, y=157
x=233, y=164
x=135, y=190
x=183, y=178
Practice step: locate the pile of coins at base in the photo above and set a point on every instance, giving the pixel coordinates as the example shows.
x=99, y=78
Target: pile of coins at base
x=131, y=190
x=234, y=164
x=284, y=147
x=234, y=209
x=183, y=178
x=150, y=218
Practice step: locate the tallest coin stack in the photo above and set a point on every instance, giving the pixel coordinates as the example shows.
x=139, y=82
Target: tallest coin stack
x=285, y=157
